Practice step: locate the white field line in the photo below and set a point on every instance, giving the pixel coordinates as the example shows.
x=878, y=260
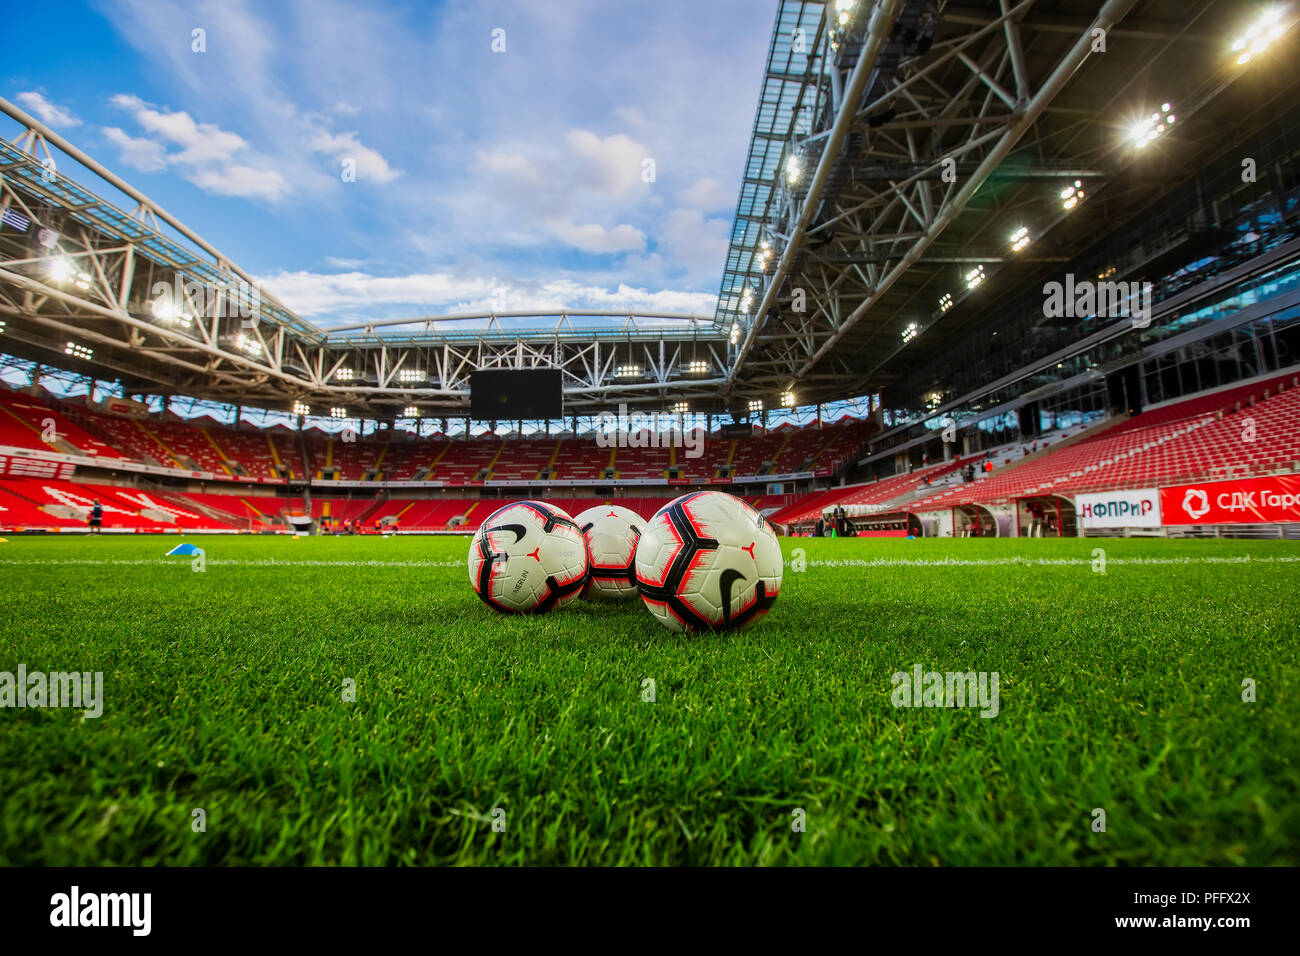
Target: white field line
x=1041, y=562
x=183, y=561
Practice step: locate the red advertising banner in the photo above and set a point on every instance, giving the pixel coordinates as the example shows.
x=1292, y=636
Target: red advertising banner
x=1245, y=501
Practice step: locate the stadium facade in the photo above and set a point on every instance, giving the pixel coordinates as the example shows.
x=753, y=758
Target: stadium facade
x=995, y=269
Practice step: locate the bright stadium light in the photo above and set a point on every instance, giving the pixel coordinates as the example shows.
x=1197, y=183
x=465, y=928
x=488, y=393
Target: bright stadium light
x=735, y=332
x=755, y=404
x=78, y=351
x=338, y=413
x=1072, y=195
x=911, y=331
x=410, y=375
x=1268, y=26
x=301, y=408
x=410, y=411
x=1020, y=239
x=1148, y=129
x=945, y=302
x=628, y=371
x=746, y=299
x=82, y=281
x=681, y=408
x=793, y=169
x=787, y=398
x=344, y=374
x=164, y=310
x=61, y=269
x=697, y=367
x=974, y=277
x=248, y=345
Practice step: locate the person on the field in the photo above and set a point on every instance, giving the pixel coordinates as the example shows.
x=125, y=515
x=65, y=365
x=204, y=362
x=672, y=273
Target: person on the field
x=1035, y=519
x=96, y=517
x=820, y=530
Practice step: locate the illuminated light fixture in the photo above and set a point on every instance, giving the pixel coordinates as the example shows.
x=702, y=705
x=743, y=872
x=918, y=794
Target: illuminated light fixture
x=344, y=375
x=1268, y=26
x=974, y=277
x=60, y=269
x=164, y=310
x=410, y=411
x=338, y=413
x=1020, y=239
x=301, y=408
x=793, y=169
x=911, y=331
x=78, y=351
x=410, y=375
x=697, y=367
x=247, y=344
x=787, y=398
x=680, y=408
x=746, y=299
x=735, y=332
x=933, y=400
x=755, y=404
x=628, y=371
x=1072, y=195
x=764, y=254
x=82, y=281
x=1106, y=273
x=1150, y=128
x=2, y=326
x=945, y=303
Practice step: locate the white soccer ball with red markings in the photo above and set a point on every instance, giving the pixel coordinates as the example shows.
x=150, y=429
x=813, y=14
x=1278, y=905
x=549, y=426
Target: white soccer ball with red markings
x=708, y=561
x=612, y=534
x=528, y=557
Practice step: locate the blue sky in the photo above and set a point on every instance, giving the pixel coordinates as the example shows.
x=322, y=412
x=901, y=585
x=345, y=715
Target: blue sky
x=484, y=180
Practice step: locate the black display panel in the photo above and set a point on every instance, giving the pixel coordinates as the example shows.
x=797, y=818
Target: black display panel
x=506, y=394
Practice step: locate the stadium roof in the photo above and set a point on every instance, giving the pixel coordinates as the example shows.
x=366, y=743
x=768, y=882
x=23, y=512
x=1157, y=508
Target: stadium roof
x=935, y=133
x=897, y=146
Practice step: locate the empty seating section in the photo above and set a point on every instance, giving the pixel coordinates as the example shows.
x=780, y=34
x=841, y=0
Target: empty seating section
x=1247, y=429
x=1190, y=441
x=24, y=421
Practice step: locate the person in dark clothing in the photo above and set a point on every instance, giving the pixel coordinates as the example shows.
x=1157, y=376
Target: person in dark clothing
x=820, y=530
x=96, y=518
x=838, y=515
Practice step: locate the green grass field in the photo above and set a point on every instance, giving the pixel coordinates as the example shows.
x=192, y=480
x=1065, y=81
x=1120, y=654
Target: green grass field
x=223, y=690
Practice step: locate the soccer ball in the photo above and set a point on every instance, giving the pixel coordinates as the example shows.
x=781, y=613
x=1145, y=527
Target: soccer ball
x=528, y=557
x=708, y=561
x=612, y=533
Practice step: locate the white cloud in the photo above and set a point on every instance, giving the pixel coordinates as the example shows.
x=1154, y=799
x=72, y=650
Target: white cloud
x=370, y=165
x=339, y=298
x=48, y=113
x=213, y=159
x=709, y=195
x=245, y=181
x=137, y=152
x=612, y=165
x=595, y=238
